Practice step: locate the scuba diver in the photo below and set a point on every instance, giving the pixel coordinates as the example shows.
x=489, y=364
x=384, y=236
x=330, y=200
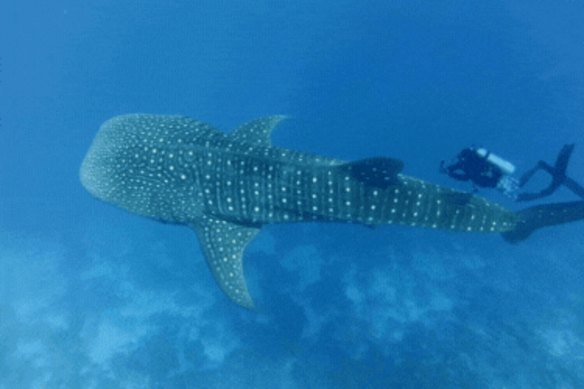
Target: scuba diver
x=483, y=169
x=487, y=170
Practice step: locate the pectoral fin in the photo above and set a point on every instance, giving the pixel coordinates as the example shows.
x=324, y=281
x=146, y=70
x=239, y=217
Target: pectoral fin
x=223, y=244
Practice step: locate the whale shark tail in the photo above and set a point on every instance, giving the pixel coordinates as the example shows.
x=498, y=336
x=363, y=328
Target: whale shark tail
x=539, y=216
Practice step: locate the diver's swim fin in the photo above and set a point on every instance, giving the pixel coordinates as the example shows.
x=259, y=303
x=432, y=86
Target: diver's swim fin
x=539, y=216
x=558, y=174
x=563, y=159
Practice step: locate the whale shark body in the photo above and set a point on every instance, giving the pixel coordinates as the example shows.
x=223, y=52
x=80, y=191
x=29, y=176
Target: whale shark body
x=227, y=186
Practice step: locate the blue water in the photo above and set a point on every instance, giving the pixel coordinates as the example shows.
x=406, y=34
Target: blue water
x=93, y=297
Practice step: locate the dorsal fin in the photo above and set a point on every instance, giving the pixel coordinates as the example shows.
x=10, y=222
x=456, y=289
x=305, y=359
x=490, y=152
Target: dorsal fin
x=223, y=244
x=257, y=132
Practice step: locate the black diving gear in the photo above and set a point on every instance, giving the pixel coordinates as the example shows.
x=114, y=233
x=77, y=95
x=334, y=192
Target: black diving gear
x=488, y=170
x=474, y=165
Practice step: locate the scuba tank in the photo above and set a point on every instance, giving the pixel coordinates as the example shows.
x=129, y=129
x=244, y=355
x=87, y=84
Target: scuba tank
x=505, y=166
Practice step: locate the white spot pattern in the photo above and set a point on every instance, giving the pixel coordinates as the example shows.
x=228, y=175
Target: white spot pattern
x=180, y=170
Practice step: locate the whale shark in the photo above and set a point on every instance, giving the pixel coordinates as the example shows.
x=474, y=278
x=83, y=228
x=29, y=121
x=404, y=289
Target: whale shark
x=226, y=186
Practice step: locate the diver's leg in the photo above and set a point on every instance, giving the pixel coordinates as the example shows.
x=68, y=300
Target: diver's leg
x=528, y=196
x=524, y=179
x=558, y=173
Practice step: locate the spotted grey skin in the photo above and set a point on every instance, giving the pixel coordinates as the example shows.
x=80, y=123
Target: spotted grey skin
x=226, y=186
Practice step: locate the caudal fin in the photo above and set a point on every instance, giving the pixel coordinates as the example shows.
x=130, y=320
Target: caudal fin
x=539, y=216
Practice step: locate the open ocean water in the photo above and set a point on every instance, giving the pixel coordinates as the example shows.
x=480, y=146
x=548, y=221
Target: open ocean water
x=94, y=297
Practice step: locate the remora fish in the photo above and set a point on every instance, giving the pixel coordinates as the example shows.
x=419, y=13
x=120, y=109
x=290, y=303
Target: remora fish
x=227, y=186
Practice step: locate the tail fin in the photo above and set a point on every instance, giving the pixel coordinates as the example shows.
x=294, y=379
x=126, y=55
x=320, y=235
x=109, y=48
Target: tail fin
x=539, y=216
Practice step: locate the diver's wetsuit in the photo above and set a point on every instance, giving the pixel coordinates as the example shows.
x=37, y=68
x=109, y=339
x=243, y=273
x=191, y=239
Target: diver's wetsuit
x=470, y=166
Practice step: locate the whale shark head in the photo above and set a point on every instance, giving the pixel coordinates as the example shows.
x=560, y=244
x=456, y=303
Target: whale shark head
x=127, y=165
x=100, y=170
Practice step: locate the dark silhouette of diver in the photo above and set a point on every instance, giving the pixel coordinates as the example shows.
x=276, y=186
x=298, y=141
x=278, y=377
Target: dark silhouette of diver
x=483, y=169
x=487, y=170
